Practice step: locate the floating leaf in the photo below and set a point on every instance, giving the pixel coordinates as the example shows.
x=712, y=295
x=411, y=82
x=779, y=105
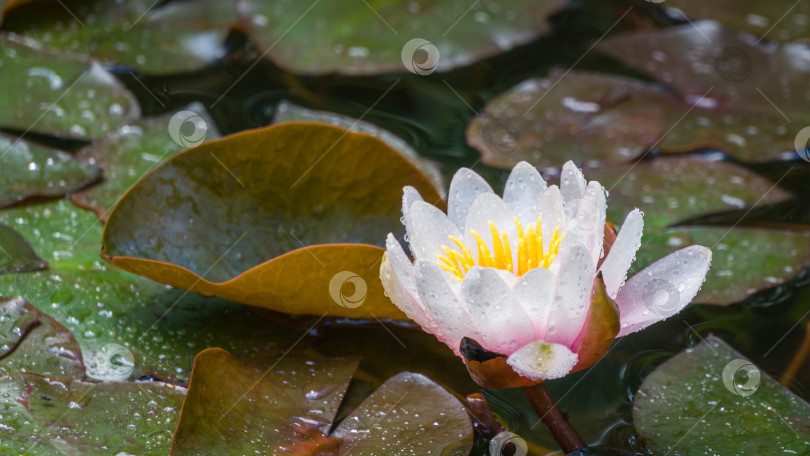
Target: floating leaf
x=711, y=400
x=33, y=342
x=131, y=151
x=170, y=38
x=781, y=20
x=288, y=112
x=44, y=416
x=15, y=253
x=30, y=169
x=229, y=218
x=49, y=93
x=103, y=305
x=361, y=39
x=289, y=407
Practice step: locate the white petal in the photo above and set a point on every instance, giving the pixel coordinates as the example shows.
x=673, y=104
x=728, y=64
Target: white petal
x=441, y=296
x=663, y=288
x=572, y=295
x=623, y=253
x=489, y=207
x=551, y=209
x=540, y=360
x=464, y=189
x=501, y=322
x=398, y=280
x=589, y=222
x=572, y=182
x=535, y=290
x=410, y=195
x=523, y=190
x=429, y=230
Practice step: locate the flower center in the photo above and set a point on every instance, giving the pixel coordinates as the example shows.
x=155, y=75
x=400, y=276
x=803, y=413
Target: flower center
x=530, y=252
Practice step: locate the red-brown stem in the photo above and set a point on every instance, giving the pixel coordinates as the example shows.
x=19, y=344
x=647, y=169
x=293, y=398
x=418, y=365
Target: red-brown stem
x=551, y=415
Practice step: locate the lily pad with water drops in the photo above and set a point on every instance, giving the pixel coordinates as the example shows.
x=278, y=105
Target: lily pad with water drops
x=230, y=218
x=129, y=152
x=30, y=169
x=33, y=342
x=53, y=94
x=711, y=400
x=47, y=416
x=173, y=37
x=368, y=38
x=288, y=405
x=15, y=253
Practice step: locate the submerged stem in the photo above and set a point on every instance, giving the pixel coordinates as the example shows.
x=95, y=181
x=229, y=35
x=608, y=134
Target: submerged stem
x=551, y=415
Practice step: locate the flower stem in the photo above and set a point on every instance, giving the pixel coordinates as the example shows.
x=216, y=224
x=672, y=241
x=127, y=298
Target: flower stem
x=551, y=415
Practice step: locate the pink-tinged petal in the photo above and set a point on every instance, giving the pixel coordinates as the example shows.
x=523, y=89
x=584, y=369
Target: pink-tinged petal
x=663, y=288
x=464, y=189
x=523, y=190
x=397, y=275
x=623, y=252
x=489, y=207
x=572, y=182
x=572, y=295
x=440, y=295
x=589, y=222
x=499, y=318
x=535, y=290
x=551, y=210
x=541, y=360
x=429, y=230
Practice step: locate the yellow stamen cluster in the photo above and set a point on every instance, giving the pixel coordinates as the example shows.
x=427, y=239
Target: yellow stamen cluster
x=530, y=253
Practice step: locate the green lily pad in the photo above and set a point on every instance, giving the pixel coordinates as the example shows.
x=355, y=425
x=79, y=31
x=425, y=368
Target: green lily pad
x=53, y=94
x=132, y=150
x=711, y=400
x=745, y=260
x=173, y=37
x=780, y=20
x=44, y=416
x=230, y=218
x=105, y=306
x=288, y=112
x=33, y=342
x=372, y=38
x=30, y=169
x=288, y=405
x=15, y=253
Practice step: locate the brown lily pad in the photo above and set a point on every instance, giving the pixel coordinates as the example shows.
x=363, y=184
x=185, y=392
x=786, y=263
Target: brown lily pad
x=231, y=219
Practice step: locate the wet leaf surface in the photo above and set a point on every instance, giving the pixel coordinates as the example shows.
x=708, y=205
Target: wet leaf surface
x=288, y=112
x=33, y=342
x=372, y=38
x=711, y=400
x=30, y=169
x=131, y=151
x=162, y=327
x=57, y=95
x=174, y=37
x=228, y=218
x=15, y=253
x=42, y=416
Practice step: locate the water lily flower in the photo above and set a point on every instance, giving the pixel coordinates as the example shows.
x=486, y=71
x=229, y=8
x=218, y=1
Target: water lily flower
x=532, y=276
